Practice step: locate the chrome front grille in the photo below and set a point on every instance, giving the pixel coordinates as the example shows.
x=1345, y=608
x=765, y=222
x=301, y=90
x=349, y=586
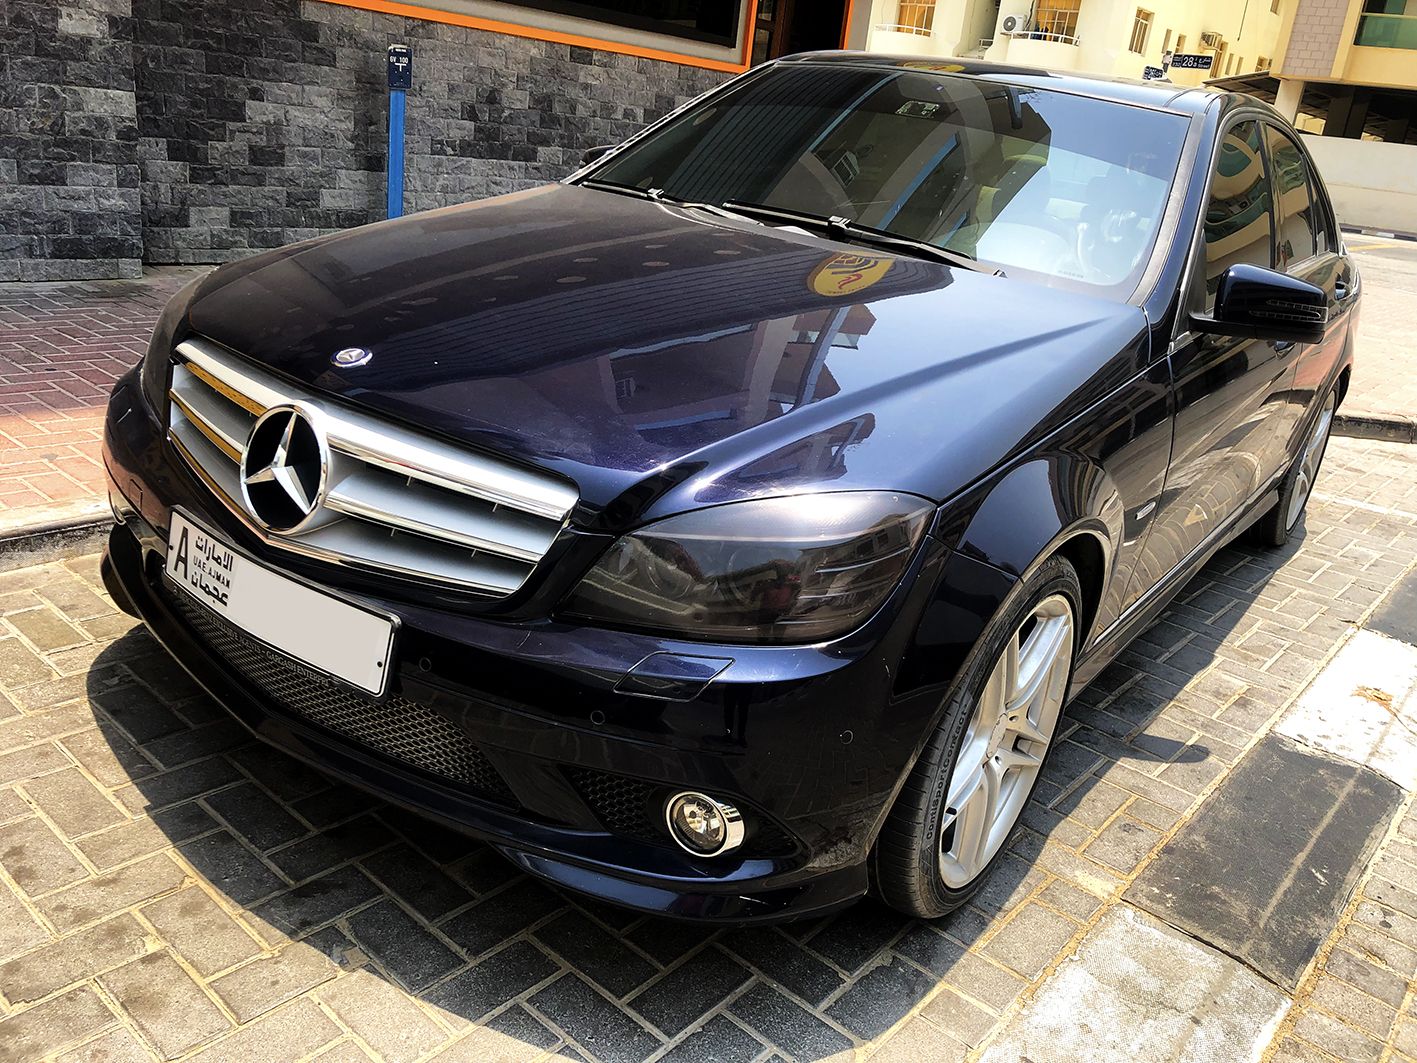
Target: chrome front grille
x=394, y=501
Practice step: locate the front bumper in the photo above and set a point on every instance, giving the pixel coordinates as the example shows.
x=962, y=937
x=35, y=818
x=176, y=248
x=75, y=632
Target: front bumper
x=516, y=733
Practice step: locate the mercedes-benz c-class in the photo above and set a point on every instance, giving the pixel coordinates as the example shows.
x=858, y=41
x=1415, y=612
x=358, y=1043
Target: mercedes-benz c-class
x=722, y=530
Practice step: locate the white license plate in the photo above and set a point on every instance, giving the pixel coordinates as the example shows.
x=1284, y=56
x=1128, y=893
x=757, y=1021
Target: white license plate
x=329, y=634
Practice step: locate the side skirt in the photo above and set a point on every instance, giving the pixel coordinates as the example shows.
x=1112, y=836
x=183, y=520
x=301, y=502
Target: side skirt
x=1150, y=605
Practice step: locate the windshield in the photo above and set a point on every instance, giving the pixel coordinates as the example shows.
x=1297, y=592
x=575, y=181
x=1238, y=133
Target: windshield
x=1067, y=188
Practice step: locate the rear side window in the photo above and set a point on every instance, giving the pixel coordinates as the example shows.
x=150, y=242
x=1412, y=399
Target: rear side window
x=1239, y=217
x=1299, y=232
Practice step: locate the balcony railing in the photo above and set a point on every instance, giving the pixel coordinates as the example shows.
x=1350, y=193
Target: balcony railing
x=1045, y=35
x=1387, y=31
x=896, y=27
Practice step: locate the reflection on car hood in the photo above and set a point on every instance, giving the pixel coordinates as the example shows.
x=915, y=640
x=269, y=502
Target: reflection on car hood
x=617, y=340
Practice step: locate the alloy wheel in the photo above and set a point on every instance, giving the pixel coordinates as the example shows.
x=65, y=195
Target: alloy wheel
x=1008, y=735
x=1309, y=460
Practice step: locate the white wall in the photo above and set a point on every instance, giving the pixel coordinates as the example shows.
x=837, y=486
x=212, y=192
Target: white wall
x=1373, y=184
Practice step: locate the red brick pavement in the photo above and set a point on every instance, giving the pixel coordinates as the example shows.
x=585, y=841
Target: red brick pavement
x=61, y=348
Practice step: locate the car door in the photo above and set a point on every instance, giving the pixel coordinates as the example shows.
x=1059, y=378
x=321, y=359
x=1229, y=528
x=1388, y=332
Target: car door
x=1227, y=389
x=1307, y=247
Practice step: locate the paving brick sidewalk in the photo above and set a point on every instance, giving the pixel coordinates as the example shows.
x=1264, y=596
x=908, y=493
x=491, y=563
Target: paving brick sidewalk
x=168, y=889
x=1385, y=374
x=61, y=348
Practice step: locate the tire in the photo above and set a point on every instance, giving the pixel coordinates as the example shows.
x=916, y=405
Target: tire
x=1277, y=526
x=919, y=862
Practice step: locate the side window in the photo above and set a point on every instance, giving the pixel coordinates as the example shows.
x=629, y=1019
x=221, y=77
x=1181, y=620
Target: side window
x=1239, y=218
x=1298, y=228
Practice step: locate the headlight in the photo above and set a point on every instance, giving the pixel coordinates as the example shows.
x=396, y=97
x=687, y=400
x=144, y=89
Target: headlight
x=153, y=375
x=797, y=569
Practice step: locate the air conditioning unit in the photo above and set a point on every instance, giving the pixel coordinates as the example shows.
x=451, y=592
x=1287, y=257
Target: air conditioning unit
x=1212, y=39
x=1014, y=17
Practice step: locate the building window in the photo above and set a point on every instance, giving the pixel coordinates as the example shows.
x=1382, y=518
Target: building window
x=1166, y=43
x=1388, y=24
x=915, y=16
x=1229, y=66
x=1181, y=44
x=1274, y=7
x=1262, y=63
x=1141, y=31
x=1056, y=20
x=715, y=21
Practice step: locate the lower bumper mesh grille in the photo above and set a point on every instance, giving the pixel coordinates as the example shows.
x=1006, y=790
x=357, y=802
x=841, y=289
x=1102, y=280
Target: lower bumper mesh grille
x=397, y=728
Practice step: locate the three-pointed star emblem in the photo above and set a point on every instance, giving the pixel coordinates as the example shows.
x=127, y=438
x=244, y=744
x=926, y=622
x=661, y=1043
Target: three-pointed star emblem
x=279, y=469
x=283, y=469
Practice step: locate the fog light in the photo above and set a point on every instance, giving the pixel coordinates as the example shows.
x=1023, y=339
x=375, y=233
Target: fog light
x=703, y=826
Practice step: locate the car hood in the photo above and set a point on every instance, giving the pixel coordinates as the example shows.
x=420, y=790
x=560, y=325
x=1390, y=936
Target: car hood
x=666, y=358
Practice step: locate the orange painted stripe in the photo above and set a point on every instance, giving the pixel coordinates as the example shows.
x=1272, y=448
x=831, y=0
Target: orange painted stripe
x=846, y=24
x=536, y=33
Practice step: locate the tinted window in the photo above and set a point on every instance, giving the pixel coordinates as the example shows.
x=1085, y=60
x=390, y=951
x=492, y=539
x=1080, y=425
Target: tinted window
x=1239, y=216
x=1064, y=187
x=1298, y=230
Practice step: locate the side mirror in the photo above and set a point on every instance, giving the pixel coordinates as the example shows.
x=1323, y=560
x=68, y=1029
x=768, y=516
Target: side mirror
x=1265, y=304
x=596, y=153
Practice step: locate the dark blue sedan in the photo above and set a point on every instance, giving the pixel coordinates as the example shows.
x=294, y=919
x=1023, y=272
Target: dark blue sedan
x=722, y=531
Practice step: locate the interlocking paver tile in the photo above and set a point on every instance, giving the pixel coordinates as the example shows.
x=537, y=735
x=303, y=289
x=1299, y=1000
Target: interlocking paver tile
x=75, y=341
x=168, y=1006
x=200, y=931
x=287, y=863
x=53, y=1025
x=879, y=998
x=593, y=1021
x=71, y=959
x=719, y=1040
x=74, y=804
x=595, y=952
x=402, y=946
x=260, y=985
x=491, y=982
x=295, y=1030
x=786, y=1023
x=387, y=1020
x=111, y=892
x=36, y=858
x=695, y=987
x=117, y=1046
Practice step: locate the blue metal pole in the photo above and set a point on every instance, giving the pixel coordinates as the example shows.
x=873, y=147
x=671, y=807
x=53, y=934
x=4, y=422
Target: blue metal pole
x=395, y=153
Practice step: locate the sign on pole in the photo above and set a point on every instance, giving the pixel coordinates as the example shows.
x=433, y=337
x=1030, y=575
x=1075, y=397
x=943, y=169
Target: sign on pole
x=1184, y=61
x=400, y=60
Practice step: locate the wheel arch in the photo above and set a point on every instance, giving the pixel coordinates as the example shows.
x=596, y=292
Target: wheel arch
x=1055, y=504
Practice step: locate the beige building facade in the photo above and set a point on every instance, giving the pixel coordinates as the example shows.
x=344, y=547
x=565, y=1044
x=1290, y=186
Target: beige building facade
x=1117, y=37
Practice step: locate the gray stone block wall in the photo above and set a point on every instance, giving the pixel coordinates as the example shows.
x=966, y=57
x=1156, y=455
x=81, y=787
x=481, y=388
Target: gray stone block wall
x=265, y=121
x=199, y=131
x=69, y=199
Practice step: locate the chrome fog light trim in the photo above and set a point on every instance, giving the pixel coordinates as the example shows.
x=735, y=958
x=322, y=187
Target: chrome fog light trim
x=701, y=825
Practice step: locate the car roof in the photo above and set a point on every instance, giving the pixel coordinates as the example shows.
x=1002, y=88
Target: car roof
x=1160, y=94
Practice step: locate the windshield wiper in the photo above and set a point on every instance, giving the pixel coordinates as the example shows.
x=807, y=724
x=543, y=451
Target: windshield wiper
x=658, y=195
x=621, y=190
x=849, y=231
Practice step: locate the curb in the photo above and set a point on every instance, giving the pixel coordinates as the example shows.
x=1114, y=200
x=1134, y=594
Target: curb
x=33, y=544
x=1390, y=428
x=1384, y=233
